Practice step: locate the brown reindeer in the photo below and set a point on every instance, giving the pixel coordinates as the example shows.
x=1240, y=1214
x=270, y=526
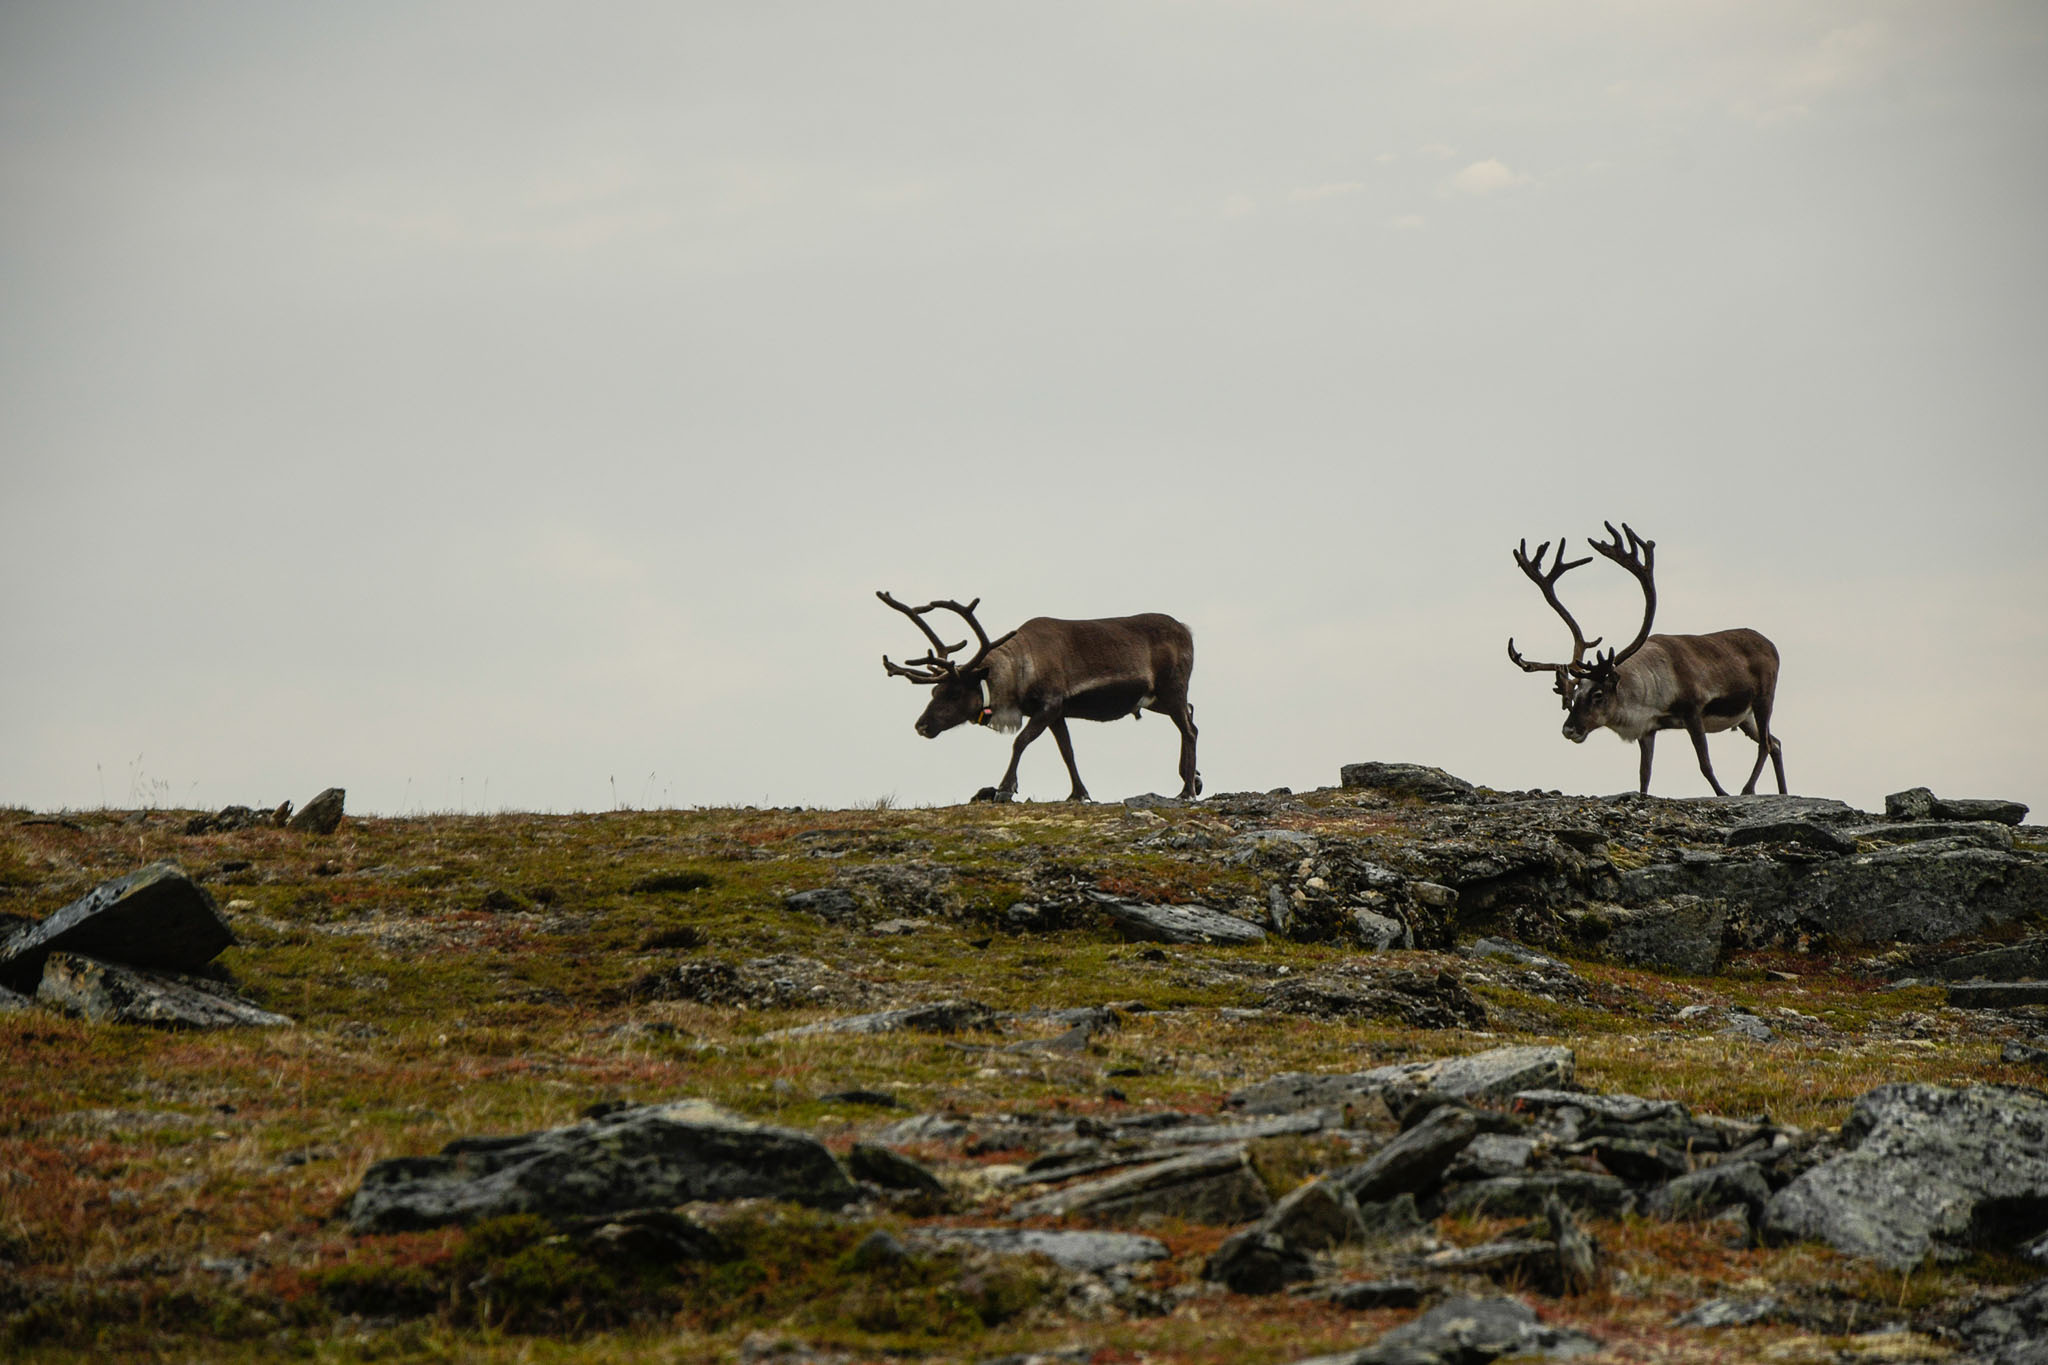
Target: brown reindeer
x=1697, y=683
x=1047, y=672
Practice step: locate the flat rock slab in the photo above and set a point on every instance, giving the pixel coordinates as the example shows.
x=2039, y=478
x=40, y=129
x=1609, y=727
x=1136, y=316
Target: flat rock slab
x=1918, y=803
x=1408, y=779
x=108, y=993
x=1465, y=1331
x=1811, y=833
x=942, y=1016
x=155, y=917
x=1214, y=1187
x=644, y=1156
x=1178, y=923
x=1997, y=995
x=1486, y=1075
x=1758, y=809
x=1981, y=833
x=1929, y=1167
x=1089, y=1251
x=2014, y=962
x=1618, y=1107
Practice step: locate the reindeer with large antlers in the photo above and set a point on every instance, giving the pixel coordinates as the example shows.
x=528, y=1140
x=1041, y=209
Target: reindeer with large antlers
x=1697, y=683
x=1047, y=672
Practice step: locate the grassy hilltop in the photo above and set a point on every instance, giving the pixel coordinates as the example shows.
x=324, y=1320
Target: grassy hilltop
x=174, y=1195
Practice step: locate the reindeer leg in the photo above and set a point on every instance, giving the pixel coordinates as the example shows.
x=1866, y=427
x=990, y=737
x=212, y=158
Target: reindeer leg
x=1032, y=730
x=1698, y=731
x=1066, y=743
x=1757, y=729
x=1648, y=744
x=1778, y=763
x=1190, y=780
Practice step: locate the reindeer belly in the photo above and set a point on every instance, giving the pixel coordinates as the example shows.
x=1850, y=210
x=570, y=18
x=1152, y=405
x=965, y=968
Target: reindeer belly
x=1112, y=701
x=1722, y=713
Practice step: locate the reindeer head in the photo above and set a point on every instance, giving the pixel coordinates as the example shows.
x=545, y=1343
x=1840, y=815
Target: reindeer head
x=959, y=691
x=1590, y=692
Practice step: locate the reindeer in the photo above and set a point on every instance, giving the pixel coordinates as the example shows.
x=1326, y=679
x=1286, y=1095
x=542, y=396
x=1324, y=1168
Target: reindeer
x=1701, y=684
x=1048, y=672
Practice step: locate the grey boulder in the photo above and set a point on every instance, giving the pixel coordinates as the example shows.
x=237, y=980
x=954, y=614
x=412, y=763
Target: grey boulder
x=1928, y=1168
x=643, y=1156
x=1177, y=923
x=155, y=917
x=1407, y=779
x=321, y=815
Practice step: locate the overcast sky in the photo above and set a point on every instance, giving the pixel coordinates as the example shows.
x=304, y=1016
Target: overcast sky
x=517, y=405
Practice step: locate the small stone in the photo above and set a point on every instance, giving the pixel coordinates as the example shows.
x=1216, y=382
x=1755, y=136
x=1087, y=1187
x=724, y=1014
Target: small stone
x=1378, y=932
x=1750, y=1027
x=2020, y=1054
x=1915, y=803
x=878, y=1251
x=830, y=903
x=884, y=1166
x=1257, y=1262
x=1727, y=1312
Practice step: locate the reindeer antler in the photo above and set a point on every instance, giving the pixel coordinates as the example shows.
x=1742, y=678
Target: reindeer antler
x=1640, y=559
x=935, y=665
x=938, y=665
x=1532, y=565
x=966, y=613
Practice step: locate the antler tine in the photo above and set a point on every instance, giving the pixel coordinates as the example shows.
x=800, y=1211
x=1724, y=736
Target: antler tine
x=916, y=614
x=1546, y=580
x=966, y=613
x=1640, y=559
x=923, y=679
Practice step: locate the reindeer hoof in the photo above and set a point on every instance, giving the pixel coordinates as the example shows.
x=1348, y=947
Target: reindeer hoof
x=1082, y=797
x=993, y=794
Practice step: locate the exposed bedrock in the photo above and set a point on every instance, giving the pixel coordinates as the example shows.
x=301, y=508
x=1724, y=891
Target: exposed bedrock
x=646, y=1156
x=1921, y=892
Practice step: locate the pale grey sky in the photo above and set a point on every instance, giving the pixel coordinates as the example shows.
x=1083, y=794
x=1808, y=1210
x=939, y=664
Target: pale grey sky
x=503, y=404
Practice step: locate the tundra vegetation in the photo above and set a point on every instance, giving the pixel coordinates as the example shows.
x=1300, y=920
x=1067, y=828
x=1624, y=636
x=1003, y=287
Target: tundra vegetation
x=182, y=1194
